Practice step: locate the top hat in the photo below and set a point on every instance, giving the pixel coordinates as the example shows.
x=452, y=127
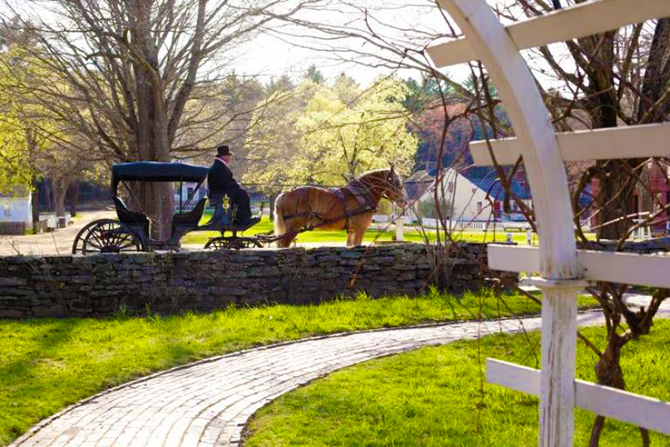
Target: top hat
x=223, y=150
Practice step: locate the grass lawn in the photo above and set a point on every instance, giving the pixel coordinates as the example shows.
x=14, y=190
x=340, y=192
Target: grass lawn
x=47, y=364
x=432, y=397
x=201, y=237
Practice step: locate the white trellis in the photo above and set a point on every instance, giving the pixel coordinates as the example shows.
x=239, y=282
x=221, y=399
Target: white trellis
x=564, y=269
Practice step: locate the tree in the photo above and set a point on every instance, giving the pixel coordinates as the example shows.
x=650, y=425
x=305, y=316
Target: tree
x=342, y=140
x=46, y=147
x=273, y=141
x=132, y=67
x=620, y=78
x=314, y=75
x=19, y=142
x=339, y=133
x=23, y=127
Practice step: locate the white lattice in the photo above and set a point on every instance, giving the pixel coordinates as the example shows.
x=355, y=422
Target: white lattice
x=563, y=268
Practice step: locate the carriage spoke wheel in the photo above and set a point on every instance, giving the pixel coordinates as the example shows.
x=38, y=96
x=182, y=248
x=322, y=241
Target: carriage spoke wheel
x=106, y=236
x=232, y=243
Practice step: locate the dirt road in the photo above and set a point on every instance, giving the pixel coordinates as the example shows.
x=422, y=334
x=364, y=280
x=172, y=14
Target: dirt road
x=59, y=242
x=53, y=243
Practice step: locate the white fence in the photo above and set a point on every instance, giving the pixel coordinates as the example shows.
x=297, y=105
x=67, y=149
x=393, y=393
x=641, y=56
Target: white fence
x=16, y=209
x=476, y=225
x=383, y=218
x=564, y=270
x=471, y=225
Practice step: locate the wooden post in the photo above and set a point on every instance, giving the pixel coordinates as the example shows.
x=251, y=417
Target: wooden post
x=559, y=341
x=399, y=227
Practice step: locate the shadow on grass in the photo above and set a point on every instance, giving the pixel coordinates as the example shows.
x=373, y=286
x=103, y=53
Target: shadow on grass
x=47, y=337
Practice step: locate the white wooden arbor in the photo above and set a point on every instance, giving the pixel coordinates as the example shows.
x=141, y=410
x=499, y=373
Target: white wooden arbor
x=564, y=269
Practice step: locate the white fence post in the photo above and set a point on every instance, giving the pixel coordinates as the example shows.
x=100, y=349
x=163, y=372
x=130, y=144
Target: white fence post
x=400, y=227
x=559, y=341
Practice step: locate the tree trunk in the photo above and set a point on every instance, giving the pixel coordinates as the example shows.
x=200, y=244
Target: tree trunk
x=271, y=203
x=60, y=192
x=609, y=373
x=615, y=197
x=152, y=132
x=49, y=187
x=35, y=205
x=74, y=198
x=615, y=191
x=155, y=199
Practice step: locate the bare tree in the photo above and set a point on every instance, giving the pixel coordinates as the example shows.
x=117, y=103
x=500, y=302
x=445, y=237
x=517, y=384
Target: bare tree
x=129, y=69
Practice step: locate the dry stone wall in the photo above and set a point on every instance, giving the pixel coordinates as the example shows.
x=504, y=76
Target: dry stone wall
x=103, y=285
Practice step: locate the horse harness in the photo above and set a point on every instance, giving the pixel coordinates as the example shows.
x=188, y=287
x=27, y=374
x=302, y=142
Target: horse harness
x=362, y=196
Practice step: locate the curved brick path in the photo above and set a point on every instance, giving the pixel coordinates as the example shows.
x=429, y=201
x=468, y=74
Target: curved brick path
x=209, y=402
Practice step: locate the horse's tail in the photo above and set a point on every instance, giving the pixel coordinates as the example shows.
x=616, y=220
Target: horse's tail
x=280, y=223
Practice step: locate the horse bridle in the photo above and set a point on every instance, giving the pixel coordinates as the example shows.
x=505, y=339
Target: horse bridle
x=393, y=180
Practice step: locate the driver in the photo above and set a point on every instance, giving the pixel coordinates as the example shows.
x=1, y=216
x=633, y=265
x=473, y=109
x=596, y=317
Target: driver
x=220, y=180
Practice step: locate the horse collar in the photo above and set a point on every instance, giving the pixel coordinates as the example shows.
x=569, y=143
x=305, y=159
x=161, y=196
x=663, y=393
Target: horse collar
x=362, y=197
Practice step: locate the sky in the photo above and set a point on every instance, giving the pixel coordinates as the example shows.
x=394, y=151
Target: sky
x=271, y=56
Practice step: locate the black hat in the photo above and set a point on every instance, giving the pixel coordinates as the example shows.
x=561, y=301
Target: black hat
x=222, y=150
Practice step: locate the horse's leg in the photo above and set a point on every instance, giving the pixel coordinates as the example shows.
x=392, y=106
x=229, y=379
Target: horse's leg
x=358, y=237
x=360, y=225
x=350, y=238
x=289, y=235
x=354, y=235
x=285, y=242
x=292, y=229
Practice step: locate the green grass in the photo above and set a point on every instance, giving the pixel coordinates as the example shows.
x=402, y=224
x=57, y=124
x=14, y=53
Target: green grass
x=433, y=397
x=328, y=236
x=47, y=364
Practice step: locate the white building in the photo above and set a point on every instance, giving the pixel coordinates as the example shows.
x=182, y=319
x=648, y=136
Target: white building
x=463, y=199
x=460, y=198
x=16, y=209
x=16, y=212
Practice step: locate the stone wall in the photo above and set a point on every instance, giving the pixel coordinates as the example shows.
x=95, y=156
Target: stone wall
x=205, y=280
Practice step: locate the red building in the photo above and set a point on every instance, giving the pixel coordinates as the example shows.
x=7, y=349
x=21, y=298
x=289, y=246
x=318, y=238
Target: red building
x=659, y=186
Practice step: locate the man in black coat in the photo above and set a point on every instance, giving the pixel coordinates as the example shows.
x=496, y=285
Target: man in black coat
x=220, y=180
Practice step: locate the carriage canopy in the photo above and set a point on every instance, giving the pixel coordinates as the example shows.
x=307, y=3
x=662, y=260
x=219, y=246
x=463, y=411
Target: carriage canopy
x=154, y=171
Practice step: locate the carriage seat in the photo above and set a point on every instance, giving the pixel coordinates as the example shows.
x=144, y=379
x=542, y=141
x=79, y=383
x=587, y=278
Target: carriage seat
x=222, y=218
x=129, y=217
x=190, y=218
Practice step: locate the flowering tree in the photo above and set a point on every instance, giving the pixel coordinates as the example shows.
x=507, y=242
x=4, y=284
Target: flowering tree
x=334, y=133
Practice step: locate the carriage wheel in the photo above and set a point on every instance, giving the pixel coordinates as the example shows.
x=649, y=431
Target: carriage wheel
x=232, y=243
x=106, y=236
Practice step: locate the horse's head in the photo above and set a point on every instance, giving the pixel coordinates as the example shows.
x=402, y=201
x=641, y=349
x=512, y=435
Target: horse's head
x=393, y=190
x=382, y=183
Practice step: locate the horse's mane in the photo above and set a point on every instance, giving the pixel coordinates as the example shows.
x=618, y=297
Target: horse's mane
x=373, y=171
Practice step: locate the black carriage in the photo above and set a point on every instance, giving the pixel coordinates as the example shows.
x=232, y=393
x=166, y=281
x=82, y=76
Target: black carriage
x=131, y=230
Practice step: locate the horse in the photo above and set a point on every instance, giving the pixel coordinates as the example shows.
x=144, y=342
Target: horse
x=350, y=208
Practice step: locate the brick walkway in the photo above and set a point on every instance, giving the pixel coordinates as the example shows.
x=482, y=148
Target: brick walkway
x=209, y=402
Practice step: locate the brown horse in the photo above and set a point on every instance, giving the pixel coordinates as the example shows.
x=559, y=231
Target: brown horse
x=349, y=208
